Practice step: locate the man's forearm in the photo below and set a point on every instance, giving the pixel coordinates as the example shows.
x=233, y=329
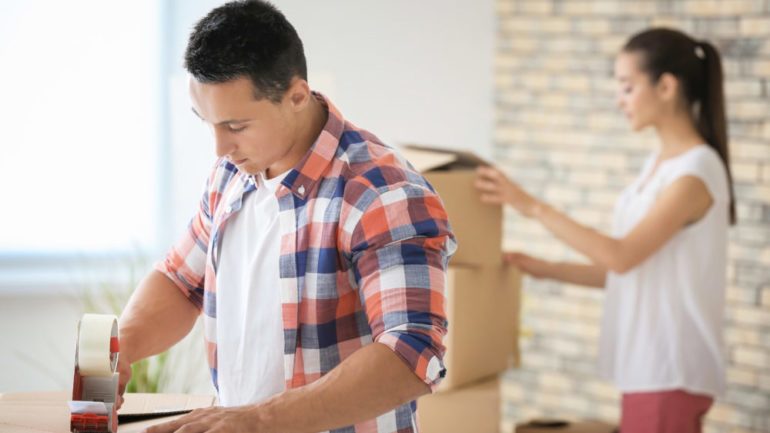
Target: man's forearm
x=157, y=316
x=369, y=383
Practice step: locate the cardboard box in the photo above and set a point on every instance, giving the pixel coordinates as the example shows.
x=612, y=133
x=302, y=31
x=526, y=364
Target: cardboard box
x=550, y=426
x=474, y=409
x=39, y=412
x=477, y=226
x=483, y=313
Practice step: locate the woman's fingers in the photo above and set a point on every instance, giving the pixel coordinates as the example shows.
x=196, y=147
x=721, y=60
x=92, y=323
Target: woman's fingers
x=526, y=263
x=488, y=186
x=514, y=258
x=484, y=185
x=491, y=198
x=487, y=171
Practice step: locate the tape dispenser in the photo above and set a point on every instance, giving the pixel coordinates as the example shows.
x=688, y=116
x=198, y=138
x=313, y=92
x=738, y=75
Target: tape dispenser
x=95, y=386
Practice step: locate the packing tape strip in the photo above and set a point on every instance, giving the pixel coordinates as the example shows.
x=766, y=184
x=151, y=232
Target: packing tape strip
x=98, y=347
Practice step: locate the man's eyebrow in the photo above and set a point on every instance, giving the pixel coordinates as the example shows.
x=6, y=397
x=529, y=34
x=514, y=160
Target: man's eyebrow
x=222, y=122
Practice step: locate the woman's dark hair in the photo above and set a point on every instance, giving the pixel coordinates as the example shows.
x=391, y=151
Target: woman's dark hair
x=247, y=38
x=697, y=66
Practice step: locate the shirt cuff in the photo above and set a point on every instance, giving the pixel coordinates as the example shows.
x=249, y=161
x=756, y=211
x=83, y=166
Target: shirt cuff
x=193, y=294
x=419, y=354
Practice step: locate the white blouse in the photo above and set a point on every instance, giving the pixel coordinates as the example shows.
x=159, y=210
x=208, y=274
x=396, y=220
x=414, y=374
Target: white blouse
x=663, y=319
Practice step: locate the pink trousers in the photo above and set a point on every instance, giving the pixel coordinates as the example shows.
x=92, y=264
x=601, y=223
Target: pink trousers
x=663, y=412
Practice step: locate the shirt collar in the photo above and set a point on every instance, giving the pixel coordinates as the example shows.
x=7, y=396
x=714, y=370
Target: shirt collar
x=302, y=178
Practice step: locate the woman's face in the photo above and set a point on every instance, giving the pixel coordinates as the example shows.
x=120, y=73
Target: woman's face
x=638, y=97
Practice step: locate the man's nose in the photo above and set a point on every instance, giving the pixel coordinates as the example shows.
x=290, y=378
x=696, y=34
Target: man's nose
x=223, y=142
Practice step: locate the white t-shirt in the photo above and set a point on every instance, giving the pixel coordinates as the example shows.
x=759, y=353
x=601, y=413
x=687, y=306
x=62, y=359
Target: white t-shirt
x=663, y=319
x=250, y=326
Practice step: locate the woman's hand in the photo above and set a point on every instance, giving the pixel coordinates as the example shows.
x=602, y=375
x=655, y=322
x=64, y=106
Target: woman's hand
x=533, y=266
x=496, y=188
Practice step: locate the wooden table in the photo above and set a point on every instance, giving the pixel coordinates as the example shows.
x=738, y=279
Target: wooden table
x=47, y=412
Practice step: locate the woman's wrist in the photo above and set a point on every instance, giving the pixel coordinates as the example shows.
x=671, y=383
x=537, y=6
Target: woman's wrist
x=536, y=209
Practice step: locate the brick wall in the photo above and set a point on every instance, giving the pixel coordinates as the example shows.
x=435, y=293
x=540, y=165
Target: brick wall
x=559, y=134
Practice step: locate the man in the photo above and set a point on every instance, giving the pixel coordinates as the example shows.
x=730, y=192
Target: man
x=317, y=256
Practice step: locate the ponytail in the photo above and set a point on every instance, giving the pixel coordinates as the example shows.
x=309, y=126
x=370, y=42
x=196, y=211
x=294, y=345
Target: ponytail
x=711, y=119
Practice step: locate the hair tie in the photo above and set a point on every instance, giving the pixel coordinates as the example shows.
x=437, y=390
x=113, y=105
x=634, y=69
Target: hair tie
x=699, y=51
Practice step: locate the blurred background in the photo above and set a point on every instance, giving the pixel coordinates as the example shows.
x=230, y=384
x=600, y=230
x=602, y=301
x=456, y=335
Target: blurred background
x=102, y=160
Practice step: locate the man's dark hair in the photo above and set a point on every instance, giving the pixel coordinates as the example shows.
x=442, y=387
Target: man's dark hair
x=246, y=38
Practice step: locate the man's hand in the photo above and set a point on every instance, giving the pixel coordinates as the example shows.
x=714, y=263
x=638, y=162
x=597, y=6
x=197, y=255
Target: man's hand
x=124, y=369
x=157, y=316
x=244, y=419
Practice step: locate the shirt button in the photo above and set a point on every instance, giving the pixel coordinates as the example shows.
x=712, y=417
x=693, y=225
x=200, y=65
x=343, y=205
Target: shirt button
x=301, y=190
x=229, y=209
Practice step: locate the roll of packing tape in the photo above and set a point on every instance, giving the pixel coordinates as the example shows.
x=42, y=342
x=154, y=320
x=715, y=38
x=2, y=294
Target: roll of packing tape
x=97, y=352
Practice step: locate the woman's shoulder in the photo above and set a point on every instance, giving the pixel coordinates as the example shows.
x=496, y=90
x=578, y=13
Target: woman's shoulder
x=702, y=152
x=704, y=157
x=702, y=161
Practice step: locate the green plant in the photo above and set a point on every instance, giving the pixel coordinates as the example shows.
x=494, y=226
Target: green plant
x=147, y=374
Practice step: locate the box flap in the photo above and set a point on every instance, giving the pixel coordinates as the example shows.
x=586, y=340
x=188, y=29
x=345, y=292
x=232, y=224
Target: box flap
x=141, y=403
x=425, y=158
x=138, y=406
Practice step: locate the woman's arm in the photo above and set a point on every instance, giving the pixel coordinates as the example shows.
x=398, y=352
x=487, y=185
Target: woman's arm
x=590, y=275
x=683, y=202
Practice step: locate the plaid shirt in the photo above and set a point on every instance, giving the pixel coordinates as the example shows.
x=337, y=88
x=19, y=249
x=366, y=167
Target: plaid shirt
x=365, y=243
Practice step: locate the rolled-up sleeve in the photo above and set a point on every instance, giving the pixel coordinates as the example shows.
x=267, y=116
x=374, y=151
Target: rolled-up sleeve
x=400, y=244
x=185, y=263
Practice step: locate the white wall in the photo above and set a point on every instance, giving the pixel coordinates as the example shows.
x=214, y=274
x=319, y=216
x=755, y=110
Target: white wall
x=38, y=342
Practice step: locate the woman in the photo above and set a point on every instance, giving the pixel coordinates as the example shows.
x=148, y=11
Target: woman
x=664, y=266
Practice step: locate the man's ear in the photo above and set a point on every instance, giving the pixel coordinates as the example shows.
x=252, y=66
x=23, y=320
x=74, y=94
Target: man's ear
x=668, y=87
x=298, y=94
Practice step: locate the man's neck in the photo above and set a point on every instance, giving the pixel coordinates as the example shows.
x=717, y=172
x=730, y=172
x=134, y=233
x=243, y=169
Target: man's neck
x=312, y=123
x=317, y=116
